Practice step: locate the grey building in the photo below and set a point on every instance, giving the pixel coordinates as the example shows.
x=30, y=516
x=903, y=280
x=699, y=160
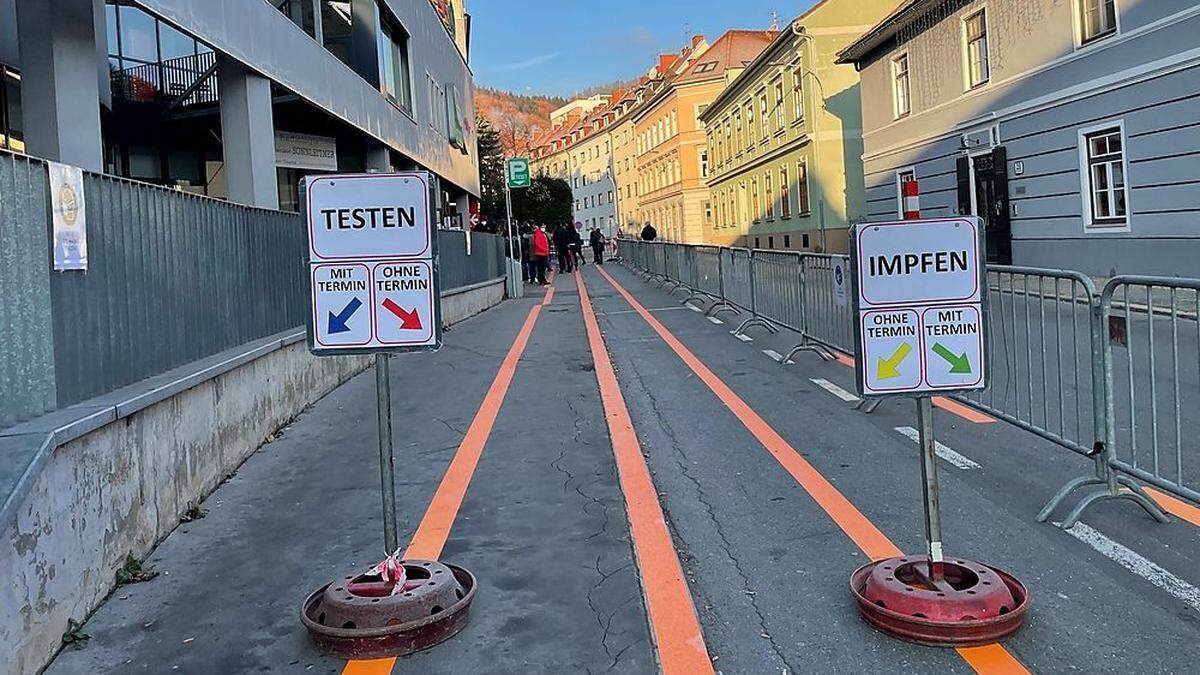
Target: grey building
x=239, y=99
x=1071, y=126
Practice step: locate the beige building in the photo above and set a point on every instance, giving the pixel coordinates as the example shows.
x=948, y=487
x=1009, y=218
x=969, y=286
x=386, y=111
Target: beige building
x=594, y=147
x=671, y=152
x=785, y=138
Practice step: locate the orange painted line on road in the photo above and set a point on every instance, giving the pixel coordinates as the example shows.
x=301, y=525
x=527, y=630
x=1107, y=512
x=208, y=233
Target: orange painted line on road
x=673, y=622
x=985, y=660
x=964, y=411
x=992, y=659
x=1176, y=507
x=431, y=534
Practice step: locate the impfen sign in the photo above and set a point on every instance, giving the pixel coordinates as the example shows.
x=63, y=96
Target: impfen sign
x=372, y=252
x=920, y=299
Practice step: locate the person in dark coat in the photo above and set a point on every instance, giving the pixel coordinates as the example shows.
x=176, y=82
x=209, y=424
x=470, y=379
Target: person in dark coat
x=528, y=265
x=562, y=246
x=649, y=233
x=577, y=247
x=596, y=241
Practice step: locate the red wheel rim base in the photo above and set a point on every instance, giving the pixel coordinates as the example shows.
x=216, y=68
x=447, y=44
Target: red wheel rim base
x=971, y=604
x=434, y=606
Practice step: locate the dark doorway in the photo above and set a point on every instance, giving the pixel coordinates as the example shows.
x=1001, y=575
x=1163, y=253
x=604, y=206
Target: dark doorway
x=983, y=191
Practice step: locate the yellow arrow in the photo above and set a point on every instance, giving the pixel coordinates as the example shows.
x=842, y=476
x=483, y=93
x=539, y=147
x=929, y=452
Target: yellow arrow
x=888, y=368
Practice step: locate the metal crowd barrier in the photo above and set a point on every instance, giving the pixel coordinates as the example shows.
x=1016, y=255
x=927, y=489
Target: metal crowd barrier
x=1109, y=376
x=1152, y=358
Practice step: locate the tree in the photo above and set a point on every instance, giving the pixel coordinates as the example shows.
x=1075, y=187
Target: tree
x=491, y=176
x=547, y=201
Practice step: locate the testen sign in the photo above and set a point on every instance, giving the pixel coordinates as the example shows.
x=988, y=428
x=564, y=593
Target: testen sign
x=373, y=263
x=918, y=288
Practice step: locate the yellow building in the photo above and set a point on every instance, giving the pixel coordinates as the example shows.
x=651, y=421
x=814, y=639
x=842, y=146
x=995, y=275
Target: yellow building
x=670, y=146
x=625, y=166
x=594, y=148
x=785, y=137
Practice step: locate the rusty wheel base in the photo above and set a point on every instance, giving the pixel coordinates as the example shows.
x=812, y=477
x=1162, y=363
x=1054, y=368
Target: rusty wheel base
x=357, y=617
x=968, y=604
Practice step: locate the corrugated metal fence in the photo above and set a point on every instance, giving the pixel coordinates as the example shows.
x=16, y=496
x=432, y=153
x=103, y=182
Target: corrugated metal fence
x=171, y=278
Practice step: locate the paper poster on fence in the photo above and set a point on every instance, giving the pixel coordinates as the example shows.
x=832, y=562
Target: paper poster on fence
x=69, y=216
x=839, y=281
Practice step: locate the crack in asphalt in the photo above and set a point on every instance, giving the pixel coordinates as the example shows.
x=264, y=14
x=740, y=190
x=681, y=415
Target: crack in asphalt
x=449, y=426
x=726, y=546
x=603, y=619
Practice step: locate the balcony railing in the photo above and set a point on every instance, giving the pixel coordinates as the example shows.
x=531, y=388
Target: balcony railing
x=180, y=82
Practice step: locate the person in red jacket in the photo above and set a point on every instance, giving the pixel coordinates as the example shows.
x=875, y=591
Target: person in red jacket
x=541, y=252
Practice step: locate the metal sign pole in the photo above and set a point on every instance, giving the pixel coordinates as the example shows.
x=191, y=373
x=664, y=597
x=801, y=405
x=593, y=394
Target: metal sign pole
x=387, y=460
x=929, y=479
x=514, y=253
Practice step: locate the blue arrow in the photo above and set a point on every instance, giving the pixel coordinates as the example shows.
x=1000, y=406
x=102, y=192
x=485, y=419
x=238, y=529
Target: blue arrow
x=337, y=322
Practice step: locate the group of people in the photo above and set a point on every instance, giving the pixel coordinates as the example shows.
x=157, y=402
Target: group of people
x=567, y=244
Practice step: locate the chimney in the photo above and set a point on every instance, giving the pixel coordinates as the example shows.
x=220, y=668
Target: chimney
x=696, y=40
x=664, y=62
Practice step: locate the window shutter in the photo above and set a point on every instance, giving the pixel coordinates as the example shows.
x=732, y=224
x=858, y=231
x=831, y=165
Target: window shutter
x=964, y=185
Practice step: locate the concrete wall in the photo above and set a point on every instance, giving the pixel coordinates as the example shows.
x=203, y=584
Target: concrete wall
x=466, y=302
x=121, y=488
x=1044, y=89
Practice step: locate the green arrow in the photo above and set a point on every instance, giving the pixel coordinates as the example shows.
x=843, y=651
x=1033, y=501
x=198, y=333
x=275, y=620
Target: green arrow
x=958, y=364
x=888, y=368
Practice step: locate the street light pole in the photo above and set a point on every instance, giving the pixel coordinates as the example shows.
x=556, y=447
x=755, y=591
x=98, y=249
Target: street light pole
x=806, y=71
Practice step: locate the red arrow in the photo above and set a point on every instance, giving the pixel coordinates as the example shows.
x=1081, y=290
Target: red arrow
x=408, y=320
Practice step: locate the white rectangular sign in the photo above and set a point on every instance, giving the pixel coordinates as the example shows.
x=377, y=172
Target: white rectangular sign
x=305, y=151
x=69, y=216
x=372, y=264
x=920, y=301
x=369, y=216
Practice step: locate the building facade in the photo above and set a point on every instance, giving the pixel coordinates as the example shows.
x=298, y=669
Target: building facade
x=625, y=170
x=1067, y=125
x=240, y=99
x=784, y=138
x=672, y=155
x=593, y=148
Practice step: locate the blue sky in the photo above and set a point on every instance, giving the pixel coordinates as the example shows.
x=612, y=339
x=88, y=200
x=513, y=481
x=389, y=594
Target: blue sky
x=561, y=46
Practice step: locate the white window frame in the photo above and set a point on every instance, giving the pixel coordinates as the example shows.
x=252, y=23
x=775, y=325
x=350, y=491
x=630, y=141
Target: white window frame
x=1085, y=178
x=778, y=90
x=968, y=85
x=896, y=112
x=764, y=112
x=797, y=92
x=785, y=192
x=1077, y=21
x=900, y=172
x=702, y=154
x=802, y=170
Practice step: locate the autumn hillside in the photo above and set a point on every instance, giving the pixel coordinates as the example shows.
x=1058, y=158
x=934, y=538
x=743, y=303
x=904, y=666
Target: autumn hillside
x=519, y=119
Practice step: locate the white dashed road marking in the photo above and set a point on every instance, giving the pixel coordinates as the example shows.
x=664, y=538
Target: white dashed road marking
x=774, y=355
x=942, y=451
x=1135, y=563
x=694, y=308
x=715, y=320
x=834, y=389
x=744, y=338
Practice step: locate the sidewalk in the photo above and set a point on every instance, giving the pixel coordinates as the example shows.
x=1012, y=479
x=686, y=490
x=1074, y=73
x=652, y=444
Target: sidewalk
x=770, y=491
x=542, y=525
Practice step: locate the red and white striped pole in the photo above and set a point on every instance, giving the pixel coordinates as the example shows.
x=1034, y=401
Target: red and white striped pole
x=912, y=200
